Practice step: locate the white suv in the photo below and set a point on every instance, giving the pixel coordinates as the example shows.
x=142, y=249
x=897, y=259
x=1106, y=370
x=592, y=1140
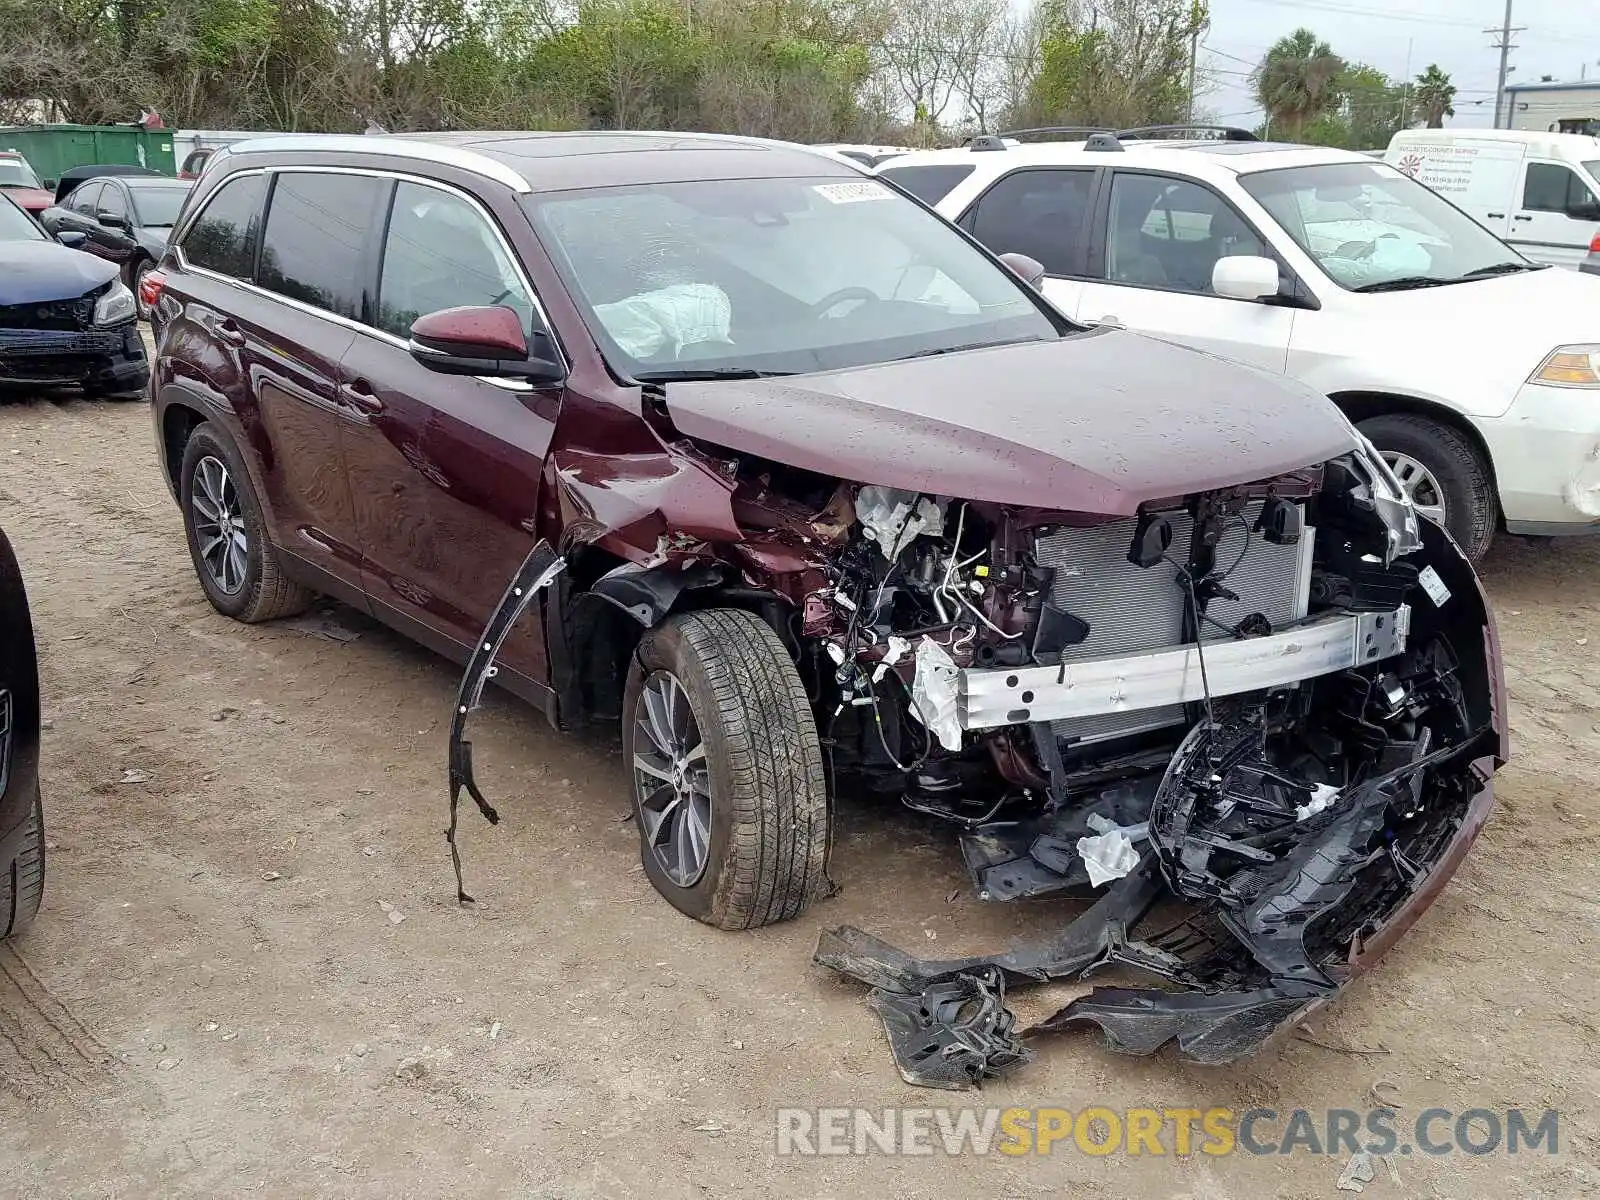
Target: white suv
x=1475, y=372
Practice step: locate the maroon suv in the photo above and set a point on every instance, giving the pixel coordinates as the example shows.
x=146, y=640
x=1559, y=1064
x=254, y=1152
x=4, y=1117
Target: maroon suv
x=823, y=500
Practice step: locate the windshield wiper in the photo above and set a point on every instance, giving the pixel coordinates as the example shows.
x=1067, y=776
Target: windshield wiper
x=971, y=346
x=1505, y=268
x=706, y=374
x=1404, y=284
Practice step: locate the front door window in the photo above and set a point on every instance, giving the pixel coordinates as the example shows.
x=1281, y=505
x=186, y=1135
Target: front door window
x=1170, y=233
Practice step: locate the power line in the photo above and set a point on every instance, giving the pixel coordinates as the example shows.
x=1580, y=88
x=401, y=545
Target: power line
x=1358, y=11
x=1224, y=54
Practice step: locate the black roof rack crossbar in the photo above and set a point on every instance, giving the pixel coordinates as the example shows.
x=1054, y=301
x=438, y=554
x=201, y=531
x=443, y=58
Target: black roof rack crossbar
x=1229, y=133
x=1095, y=138
x=1083, y=130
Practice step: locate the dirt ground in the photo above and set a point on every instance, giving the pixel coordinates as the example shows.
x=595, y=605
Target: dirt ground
x=251, y=976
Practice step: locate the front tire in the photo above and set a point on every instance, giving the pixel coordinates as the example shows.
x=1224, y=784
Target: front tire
x=729, y=791
x=1443, y=473
x=234, y=559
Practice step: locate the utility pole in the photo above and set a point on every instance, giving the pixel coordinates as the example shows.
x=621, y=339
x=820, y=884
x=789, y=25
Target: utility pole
x=1194, y=54
x=1505, y=47
x=1405, y=90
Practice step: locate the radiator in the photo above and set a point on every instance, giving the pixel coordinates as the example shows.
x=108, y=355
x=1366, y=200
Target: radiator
x=1130, y=610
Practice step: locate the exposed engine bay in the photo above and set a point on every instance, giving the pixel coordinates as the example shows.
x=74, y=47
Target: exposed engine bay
x=1269, y=705
x=1254, y=726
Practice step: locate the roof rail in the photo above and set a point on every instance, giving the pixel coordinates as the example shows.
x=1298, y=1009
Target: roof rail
x=1221, y=133
x=1081, y=130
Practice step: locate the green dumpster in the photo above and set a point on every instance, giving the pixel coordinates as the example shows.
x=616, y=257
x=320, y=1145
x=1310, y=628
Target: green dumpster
x=53, y=149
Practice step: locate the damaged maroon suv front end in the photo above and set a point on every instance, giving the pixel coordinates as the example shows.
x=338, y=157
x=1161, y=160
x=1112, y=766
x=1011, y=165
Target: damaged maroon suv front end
x=1221, y=678
x=1147, y=628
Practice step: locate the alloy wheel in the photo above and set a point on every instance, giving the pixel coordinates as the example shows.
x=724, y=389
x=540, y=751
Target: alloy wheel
x=1419, y=484
x=219, y=525
x=672, y=780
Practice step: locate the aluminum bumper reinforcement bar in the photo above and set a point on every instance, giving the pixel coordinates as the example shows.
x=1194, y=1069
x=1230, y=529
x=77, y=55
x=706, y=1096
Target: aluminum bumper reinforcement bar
x=990, y=698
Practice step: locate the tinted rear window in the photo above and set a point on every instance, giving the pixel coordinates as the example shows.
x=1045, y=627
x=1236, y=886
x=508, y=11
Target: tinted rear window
x=224, y=237
x=929, y=184
x=315, y=239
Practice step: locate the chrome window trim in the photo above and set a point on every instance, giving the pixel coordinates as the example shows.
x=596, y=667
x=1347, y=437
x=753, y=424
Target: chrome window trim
x=338, y=318
x=451, y=156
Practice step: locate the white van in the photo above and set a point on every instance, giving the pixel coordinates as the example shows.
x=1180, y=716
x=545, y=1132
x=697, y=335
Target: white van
x=1538, y=191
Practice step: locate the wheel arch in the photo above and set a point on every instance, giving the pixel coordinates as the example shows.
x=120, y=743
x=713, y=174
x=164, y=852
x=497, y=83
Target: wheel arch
x=179, y=419
x=1360, y=405
x=602, y=608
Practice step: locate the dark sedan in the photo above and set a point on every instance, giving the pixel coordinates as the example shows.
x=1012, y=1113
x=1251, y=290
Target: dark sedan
x=65, y=317
x=126, y=220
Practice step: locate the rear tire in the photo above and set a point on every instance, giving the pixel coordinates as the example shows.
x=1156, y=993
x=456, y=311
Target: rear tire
x=765, y=852
x=245, y=582
x=1462, y=478
x=22, y=879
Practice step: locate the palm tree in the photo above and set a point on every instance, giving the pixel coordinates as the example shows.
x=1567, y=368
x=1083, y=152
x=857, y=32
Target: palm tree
x=1435, y=93
x=1298, y=81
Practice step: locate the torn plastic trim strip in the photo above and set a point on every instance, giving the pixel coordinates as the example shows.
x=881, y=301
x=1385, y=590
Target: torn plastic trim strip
x=537, y=572
x=990, y=698
x=1088, y=939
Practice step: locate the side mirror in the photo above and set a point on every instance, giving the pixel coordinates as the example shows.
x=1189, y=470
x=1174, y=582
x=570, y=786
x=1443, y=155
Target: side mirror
x=1246, y=277
x=479, y=340
x=72, y=239
x=110, y=219
x=1029, y=270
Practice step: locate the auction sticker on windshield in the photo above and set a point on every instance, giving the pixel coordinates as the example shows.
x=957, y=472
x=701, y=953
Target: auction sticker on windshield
x=850, y=193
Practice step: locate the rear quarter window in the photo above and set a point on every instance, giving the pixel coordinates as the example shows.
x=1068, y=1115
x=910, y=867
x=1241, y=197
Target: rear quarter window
x=223, y=238
x=931, y=183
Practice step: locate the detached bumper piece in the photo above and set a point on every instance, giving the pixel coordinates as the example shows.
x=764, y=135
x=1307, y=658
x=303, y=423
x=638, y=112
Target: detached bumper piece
x=955, y=1033
x=1284, y=877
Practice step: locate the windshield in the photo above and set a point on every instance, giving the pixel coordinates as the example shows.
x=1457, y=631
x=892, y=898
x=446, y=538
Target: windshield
x=15, y=172
x=158, y=207
x=1368, y=226
x=16, y=225
x=779, y=275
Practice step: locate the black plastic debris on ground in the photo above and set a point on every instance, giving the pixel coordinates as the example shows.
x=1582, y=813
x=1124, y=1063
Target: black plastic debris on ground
x=955, y=1033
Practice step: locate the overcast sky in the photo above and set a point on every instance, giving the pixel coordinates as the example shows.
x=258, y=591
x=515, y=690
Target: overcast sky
x=1562, y=39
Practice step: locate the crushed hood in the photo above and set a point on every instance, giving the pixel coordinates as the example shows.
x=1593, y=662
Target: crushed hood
x=38, y=272
x=1099, y=422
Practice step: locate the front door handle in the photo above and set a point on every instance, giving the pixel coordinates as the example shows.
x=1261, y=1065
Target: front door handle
x=359, y=396
x=1520, y=217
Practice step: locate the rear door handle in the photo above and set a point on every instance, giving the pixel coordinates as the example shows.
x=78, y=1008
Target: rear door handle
x=358, y=395
x=227, y=331
x=1495, y=216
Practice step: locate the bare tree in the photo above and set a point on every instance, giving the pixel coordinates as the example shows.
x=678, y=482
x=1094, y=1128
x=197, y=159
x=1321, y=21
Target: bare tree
x=936, y=52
